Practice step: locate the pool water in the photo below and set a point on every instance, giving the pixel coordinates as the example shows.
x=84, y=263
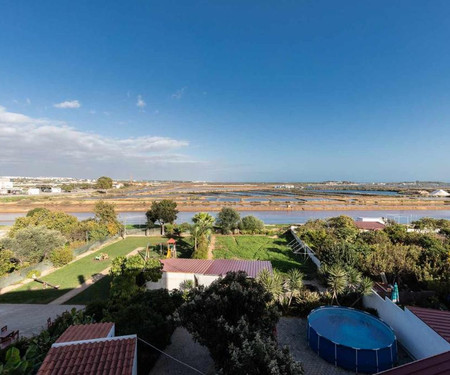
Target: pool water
x=351, y=328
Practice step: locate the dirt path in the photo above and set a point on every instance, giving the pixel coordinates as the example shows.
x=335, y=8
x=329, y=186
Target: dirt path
x=72, y=293
x=211, y=247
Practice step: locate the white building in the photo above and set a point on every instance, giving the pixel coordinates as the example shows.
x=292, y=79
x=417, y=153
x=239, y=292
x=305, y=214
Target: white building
x=203, y=271
x=439, y=193
x=371, y=219
x=33, y=191
x=56, y=190
x=6, y=184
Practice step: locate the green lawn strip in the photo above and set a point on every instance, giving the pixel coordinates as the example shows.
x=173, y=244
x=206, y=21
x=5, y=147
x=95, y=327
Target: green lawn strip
x=76, y=273
x=100, y=290
x=96, y=292
x=261, y=248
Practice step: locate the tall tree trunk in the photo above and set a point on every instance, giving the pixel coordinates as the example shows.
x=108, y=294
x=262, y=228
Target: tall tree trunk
x=162, y=228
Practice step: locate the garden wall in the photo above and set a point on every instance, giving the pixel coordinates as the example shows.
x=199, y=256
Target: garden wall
x=306, y=247
x=418, y=338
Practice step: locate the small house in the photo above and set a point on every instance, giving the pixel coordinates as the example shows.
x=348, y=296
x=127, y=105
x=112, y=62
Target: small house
x=204, y=271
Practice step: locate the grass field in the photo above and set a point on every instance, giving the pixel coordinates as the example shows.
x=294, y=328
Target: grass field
x=262, y=248
x=76, y=273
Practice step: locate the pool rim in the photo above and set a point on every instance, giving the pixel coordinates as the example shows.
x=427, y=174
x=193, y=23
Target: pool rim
x=357, y=310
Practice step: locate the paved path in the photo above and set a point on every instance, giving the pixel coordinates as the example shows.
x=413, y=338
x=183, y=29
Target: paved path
x=30, y=319
x=292, y=332
x=186, y=350
x=72, y=293
x=211, y=246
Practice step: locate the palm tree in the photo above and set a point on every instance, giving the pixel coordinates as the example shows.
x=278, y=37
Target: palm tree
x=365, y=289
x=273, y=283
x=337, y=281
x=203, y=224
x=293, y=285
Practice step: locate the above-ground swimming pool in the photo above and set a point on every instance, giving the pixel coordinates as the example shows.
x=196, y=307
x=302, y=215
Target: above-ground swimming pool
x=352, y=339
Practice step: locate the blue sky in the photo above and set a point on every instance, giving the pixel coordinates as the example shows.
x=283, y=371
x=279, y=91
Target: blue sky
x=226, y=90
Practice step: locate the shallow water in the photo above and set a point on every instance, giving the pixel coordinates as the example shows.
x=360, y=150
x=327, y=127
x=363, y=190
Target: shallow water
x=273, y=217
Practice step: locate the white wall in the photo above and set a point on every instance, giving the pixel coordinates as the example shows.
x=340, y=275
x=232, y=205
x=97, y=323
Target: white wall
x=418, y=338
x=172, y=280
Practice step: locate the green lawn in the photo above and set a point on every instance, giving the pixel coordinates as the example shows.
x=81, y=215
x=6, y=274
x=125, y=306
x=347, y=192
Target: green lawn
x=262, y=248
x=74, y=274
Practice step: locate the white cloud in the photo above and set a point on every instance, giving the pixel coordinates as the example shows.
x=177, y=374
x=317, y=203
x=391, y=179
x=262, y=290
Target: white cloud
x=68, y=104
x=179, y=93
x=140, y=102
x=41, y=146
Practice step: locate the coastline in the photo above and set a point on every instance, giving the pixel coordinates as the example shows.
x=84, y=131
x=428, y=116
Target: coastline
x=143, y=206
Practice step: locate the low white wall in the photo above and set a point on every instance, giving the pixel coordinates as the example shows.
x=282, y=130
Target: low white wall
x=418, y=338
x=172, y=280
x=308, y=250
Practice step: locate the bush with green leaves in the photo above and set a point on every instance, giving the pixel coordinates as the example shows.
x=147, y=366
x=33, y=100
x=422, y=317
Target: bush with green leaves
x=256, y=354
x=227, y=219
x=7, y=264
x=216, y=315
x=34, y=243
x=251, y=224
x=130, y=274
x=60, y=257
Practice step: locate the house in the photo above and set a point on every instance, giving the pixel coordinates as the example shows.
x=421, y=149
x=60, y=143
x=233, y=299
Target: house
x=5, y=183
x=371, y=219
x=365, y=226
x=440, y=193
x=434, y=365
x=55, y=190
x=204, y=271
x=91, y=349
x=33, y=191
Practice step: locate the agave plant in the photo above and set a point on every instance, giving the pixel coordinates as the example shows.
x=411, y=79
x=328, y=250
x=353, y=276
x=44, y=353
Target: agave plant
x=337, y=281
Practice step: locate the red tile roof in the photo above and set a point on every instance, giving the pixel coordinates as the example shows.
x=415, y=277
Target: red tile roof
x=186, y=265
x=112, y=356
x=215, y=267
x=435, y=365
x=369, y=225
x=86, y=332
x=435, y=319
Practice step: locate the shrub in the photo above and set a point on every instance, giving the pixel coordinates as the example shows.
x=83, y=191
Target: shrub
x=33, y=273
x=62, y=256
x=216, y=315
x=6, y=265
x=251, y=224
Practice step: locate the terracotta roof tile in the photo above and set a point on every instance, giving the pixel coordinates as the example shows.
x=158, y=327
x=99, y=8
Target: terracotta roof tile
x=436, y=319
x=369, y=225
x=110, y=356
x=215, y=267
x=186, y=265
x=86, y=332
x=435, y=365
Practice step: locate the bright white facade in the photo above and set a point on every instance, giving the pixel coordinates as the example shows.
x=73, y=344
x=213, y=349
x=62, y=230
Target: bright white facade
x=5, y=184
x=440, y=193
x=371, y=219
x=33, y=191
x=56, y=190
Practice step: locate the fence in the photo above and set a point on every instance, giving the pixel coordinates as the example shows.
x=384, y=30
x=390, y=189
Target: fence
x=306, y=248
x=417, y=337
x=21, y=275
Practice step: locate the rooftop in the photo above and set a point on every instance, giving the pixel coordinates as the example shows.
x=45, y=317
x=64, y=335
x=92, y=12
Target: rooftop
x=86, y=332
x=435, y=365
x=113, y=355
x=369, y=225
x=436, y=319
x=215, y=267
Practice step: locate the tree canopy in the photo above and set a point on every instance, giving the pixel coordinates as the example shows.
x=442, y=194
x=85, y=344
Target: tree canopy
x=164, y=211
x=104, y=182
x=227, y=219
